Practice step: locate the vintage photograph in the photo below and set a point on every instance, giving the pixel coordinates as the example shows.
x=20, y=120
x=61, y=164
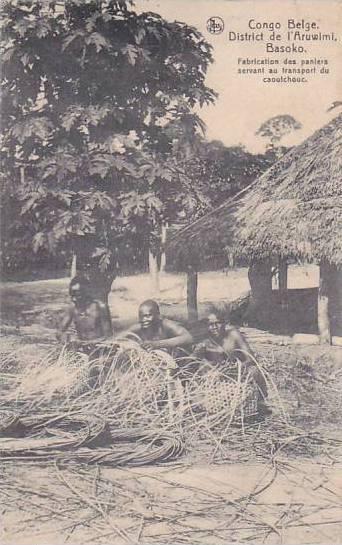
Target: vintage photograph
x=171, y=272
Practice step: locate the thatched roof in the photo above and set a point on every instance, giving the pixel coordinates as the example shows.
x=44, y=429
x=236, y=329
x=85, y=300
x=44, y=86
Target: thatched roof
x=294, y=209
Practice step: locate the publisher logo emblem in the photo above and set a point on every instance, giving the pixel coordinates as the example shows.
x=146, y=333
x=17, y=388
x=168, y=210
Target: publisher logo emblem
x=215, y=25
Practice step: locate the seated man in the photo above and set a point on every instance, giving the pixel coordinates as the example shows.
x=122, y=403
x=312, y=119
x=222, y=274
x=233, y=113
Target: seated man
x=156, y=332
x=225, y=344
x=90, y=317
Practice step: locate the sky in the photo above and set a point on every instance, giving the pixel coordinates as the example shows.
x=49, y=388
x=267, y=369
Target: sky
x=245, y=102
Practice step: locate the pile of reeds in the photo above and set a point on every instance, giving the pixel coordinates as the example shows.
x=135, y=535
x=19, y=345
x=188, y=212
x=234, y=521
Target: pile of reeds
x=66, y=400
x=64, y=415
x=85, y=404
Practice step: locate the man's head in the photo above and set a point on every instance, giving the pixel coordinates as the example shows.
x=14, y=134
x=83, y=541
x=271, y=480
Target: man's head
x=79, y=290
x=215, y=325
x=149, y=313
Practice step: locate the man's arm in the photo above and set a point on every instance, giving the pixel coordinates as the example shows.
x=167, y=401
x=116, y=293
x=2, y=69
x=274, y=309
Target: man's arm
x=240, y=344
x=178, y=336
x=105, y=320
x=246, y=355
x=133, y=331
x=65, y=324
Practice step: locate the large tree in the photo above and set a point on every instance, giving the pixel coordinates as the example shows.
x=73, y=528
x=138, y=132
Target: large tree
x=97, y=105
x=274, y=130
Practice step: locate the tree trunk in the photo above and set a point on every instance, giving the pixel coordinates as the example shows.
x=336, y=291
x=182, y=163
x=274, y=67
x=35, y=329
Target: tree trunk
x=163, y=254
x=100, y=280
x=260, y=279
x=154, y=273
x=73, y=268
x=100, y=283
x=162, y=262
x=192, y=282
x=323, y=304
x=22, y=175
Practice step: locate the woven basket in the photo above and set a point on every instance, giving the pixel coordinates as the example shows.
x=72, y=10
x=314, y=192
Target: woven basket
x=80, y=371
x=217, y=394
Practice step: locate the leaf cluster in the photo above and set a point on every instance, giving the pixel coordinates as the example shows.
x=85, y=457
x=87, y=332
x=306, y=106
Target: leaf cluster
x=97, y=104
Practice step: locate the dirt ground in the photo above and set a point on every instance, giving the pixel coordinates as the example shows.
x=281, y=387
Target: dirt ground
x=297, y=502
x=280, y=500
x=39, y=302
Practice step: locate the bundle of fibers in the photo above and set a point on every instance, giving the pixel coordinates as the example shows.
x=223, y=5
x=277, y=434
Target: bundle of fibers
x=309, y=387
x=16, y=353
x=125, y=384
x=47, y=380
x=41, y=433
x=126, y=387
x=130, y=387
x=75, y=438
x=131, y=447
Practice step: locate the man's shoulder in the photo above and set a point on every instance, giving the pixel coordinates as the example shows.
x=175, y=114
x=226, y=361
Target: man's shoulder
x=167, y=323
x=229, y=328
x=135, y=328
x=232, y=331
x=70, y=309
x=174, y=328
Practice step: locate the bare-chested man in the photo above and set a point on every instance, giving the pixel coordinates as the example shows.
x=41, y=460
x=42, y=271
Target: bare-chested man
x=156, y=332
x=225, y=344
x=90, y=317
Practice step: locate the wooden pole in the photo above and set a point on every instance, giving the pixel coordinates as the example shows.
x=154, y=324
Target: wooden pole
x=283, y=298
x=154, y=273
x=192, y=283
x=282, y=273
x=323, y=305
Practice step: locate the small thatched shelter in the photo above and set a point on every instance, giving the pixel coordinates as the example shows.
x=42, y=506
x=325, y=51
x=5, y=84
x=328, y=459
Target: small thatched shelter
x=294, y=210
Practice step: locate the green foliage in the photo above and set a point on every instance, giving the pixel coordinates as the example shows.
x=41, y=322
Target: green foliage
x=217, y=173
x=97, y=104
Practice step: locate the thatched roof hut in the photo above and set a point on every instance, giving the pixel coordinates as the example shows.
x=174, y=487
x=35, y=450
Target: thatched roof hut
x=294, y=210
